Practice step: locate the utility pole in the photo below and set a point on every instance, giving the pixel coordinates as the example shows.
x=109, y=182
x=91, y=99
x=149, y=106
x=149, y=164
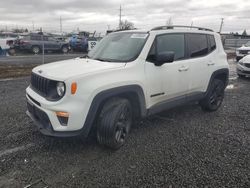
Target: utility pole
x=60, y=24
x=192, y=23
x=120, y=17
x=43, y=48
x=221, y=24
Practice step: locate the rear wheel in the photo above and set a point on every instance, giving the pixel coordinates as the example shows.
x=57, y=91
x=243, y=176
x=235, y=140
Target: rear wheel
x=215, y=96
x=114, y=123
x=35, y=49
x=65, y=49
x=12, y=51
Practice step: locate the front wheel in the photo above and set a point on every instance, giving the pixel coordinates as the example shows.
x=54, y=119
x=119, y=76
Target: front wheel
x=114, y=123
x=35, y=49
x=215, y=96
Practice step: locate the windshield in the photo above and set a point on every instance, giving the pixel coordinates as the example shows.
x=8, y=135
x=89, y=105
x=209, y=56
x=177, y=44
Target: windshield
x=119, y=47
x=247, y=44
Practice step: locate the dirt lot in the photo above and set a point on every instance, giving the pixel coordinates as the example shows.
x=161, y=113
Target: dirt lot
x=16, y=66
x=183, y=147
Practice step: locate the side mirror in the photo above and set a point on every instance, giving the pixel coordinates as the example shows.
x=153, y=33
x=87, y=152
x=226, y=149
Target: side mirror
x=165, y=57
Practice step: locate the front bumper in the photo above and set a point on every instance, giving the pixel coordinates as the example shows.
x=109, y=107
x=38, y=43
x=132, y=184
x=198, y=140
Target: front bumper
x=43, y=114
x=47, y=129
x=241, y=70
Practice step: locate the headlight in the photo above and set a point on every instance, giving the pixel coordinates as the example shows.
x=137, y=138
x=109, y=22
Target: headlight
x=241, y=63
x=60, y=88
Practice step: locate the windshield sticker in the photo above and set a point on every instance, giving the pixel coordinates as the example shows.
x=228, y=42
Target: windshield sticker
x=139, y=36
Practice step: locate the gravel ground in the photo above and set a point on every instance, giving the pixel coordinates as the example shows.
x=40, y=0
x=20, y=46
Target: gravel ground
x=183, y=147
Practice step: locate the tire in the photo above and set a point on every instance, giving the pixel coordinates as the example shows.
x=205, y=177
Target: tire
x=12, y=51
x=65, y=49
x=215, y=96
x=35, y=49
x=114, y=123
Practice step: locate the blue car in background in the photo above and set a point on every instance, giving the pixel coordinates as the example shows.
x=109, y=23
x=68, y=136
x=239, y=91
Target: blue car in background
x=79, y=43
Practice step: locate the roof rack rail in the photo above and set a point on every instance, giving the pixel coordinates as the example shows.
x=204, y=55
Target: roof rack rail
x=180, y=26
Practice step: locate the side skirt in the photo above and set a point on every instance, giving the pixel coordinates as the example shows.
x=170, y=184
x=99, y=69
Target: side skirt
x=178, y=101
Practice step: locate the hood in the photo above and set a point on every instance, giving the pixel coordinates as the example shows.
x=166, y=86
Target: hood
x=246, y=59
x=63, y=70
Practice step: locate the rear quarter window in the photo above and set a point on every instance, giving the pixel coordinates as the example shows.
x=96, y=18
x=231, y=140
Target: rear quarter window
x=212, y=42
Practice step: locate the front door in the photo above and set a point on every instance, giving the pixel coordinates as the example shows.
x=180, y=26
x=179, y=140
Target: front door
x=171, y=80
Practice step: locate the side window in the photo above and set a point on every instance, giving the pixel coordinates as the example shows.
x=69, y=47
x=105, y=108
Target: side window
x=35, y=37
x=212, y=42
x=171, y=42
x=51, y=39
x=197, y=45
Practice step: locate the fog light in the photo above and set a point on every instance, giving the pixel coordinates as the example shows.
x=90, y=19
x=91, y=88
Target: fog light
x=63, y=118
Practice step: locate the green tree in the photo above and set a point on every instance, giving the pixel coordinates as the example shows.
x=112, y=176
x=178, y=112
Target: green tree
x=126, y=25
x=244, y=33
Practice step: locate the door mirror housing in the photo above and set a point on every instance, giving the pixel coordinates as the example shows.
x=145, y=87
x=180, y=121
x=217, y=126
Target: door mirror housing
x=164, y=57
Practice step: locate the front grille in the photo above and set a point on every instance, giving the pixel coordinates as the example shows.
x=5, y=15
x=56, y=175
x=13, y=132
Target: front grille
x=247, y=65
x=244, y=51
x=246, y=72
x=40, y=84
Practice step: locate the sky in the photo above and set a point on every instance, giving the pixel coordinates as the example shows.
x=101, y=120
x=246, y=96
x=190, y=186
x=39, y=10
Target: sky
x=99, y=15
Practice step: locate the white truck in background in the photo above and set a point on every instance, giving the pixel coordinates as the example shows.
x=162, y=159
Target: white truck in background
x=6, y=43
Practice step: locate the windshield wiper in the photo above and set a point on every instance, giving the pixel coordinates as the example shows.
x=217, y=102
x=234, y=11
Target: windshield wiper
x=85, y=56
x=104, y=60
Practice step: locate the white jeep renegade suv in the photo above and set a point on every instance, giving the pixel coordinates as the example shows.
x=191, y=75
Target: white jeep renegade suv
x=128, y=75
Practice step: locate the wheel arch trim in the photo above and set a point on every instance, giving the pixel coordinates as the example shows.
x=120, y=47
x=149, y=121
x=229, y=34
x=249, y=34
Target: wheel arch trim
x=223, y=71
x=102, y=96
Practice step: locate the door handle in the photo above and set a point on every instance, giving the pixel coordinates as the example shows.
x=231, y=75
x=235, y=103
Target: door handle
x=210, y=63
x=183, y=68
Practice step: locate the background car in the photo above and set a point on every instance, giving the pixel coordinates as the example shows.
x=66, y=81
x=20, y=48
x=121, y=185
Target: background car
x=7, y=43
x=35, y=42
x=243, y=67
x=79, y=43
x=243, y=51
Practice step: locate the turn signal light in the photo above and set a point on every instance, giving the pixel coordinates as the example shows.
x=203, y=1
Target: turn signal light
x=62, y=114
x=73, y=88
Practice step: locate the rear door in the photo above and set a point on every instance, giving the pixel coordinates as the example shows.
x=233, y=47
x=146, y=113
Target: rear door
x=199, y=61
x=54, y=44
